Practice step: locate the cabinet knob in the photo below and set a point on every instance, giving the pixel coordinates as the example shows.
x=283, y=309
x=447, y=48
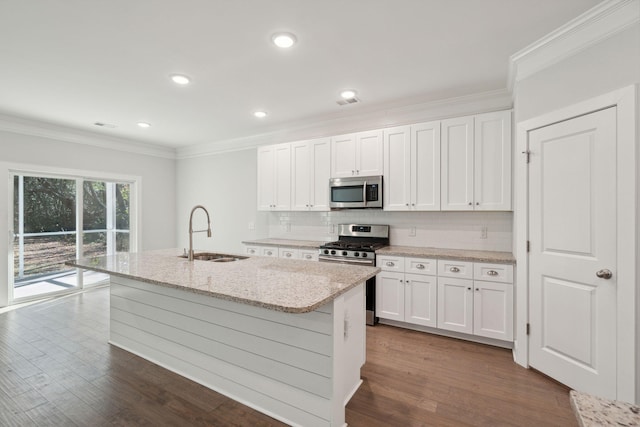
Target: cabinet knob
x=470, y=204
x=477, y=289
x=390, y=264
x=407, y=281
x=269, y=253
x=454, y=270
x=307, y=256
x=400, y=280
x=413, y=204
x=357, y=172
x=492, y=273
x=407, y=204
x=468, y=289
x=251, y=251
x=288, y=255
x=477, y=203
x=420, y=266
x=353, y=172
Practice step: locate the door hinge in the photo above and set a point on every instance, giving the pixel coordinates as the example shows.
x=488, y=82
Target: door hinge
x=528, y=328
x=528, y=246
x=528, y=153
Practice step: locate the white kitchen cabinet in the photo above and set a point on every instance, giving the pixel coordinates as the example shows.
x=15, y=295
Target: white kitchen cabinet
x=310, y=170
x=476, y=162
x=479, y=307
x=288, y=253
x=274, y=177
x=412, y=167
x=357, y=154
x=403, y=296
x=455, y=304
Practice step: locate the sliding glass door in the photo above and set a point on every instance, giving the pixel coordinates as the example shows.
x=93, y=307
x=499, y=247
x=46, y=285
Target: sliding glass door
x=56, y=219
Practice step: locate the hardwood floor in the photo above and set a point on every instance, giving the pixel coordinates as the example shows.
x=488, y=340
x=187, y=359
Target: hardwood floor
x=56, y=368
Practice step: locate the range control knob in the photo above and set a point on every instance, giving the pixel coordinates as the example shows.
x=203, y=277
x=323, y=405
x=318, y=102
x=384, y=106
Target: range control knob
x=326, y=251
x=356, y=254
x=333, y=252
x=364, y=254
x=344, y=253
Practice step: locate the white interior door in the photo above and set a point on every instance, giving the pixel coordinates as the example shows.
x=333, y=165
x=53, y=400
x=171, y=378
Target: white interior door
x=572, y=231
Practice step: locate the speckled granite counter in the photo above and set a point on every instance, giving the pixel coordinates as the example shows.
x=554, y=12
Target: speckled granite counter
x=286, y=243
x=592, y=411
x=456, y=254
x=277, y=284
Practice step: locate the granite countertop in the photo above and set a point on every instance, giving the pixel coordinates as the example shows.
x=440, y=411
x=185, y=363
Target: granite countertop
x=593, y=411
x=286, y=243
x=292, y=286
x=454, y=254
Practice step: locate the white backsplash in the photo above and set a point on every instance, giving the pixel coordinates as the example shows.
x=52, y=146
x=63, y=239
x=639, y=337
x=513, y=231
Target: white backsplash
x=451, y=230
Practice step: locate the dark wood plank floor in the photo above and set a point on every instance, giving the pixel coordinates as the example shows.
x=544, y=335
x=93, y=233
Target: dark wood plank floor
x=56, y=368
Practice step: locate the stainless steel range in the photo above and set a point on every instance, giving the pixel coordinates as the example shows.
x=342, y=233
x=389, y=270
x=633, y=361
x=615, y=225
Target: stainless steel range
x=356, y=245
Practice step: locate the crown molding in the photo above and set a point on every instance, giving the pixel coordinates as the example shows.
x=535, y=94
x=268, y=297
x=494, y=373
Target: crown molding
x=598, y=23
x=47, y=130
x=372, y=119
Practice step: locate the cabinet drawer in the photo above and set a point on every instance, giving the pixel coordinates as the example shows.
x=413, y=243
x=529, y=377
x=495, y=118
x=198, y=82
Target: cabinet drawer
x=390, y=263
x=493, y=272
x=288, y=253
x=306, y=255
x=421, y=266
x=460, y=269
x=252, y=250
x=270, y=252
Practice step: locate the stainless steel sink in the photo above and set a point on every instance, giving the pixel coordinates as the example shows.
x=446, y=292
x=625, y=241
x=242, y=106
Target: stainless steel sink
x=215, y=257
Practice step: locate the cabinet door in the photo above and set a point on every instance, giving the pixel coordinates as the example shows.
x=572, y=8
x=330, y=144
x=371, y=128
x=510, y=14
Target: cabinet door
x=492, y=152
x=390, y=263
x=266, y=177
x=457, y=164
x=455, y=304
x=252, y=250
x=320, y=166
x=493, y=310
x=369, y=153
x=420, y=299
x=343, y=156
x=282, y=172
x=390, y=295
x=300, y=175
x=425, y=167
x=397, y=168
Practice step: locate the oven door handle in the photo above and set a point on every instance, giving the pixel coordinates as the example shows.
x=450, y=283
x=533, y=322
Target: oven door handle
x=364, y=193
x=351, y=261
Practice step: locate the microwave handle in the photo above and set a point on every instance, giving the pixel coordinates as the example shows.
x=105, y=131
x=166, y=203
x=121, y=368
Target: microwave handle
x=364, y=193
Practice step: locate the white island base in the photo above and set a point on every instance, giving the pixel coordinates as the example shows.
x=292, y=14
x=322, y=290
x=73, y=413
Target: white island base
x=301, y=369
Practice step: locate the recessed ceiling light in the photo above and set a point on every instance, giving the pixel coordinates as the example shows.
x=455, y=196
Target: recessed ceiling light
x=348, y=94
x=144, y=125
x=180, y=79
x=260, y=114
x=105, y=125
x=284, y=40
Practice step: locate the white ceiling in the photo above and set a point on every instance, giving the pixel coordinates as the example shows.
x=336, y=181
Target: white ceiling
x=76, y=62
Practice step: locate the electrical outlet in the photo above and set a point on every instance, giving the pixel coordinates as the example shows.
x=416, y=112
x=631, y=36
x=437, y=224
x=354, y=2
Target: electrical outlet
x=252, y=226
x=412, y=232
x=483, y=232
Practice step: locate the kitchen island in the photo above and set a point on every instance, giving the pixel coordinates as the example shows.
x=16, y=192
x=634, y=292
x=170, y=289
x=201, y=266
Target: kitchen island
x=284, y=337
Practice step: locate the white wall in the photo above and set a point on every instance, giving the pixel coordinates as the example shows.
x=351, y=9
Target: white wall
x=158, y=187
x=225, y=184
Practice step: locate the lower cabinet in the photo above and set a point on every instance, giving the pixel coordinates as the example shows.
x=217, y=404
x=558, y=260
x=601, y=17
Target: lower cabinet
x=406, y=297
x=452, y=301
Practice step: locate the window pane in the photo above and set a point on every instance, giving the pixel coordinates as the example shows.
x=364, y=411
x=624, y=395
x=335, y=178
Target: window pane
x=94, y=206
x=44, y=254
x=49, y=204
x=94, y=244
x=122, y=242
x=122, y=207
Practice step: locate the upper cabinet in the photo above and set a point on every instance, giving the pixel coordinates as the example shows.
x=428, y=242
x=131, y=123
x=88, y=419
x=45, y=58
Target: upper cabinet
x=357, y=154
x=476, y=162
x=274, y=177
x=412, y=167
x=310, y=166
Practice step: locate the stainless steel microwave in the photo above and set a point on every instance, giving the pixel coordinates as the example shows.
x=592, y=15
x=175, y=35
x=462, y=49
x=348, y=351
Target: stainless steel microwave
x=357, y=192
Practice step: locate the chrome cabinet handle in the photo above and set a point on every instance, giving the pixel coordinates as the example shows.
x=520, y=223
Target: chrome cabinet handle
x=307, y=256
x=604, y=274
x=420, y=266
x=492, y=273
x=252, y=251
x=390, y=264
x=269, y=253
x=288, y=255
x=454, y=269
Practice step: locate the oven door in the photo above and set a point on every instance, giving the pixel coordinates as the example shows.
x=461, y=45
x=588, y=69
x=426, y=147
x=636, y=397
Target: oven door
x=369, y=287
